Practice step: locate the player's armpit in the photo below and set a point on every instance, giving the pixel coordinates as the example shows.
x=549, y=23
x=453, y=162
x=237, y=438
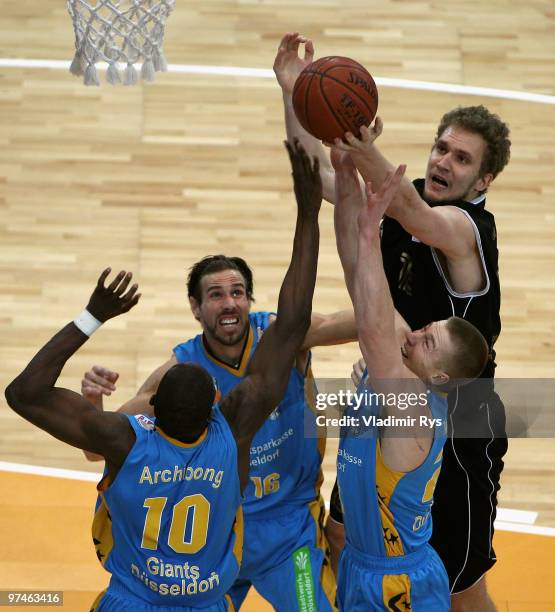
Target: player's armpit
x=407, y=433
x=245, y=409
x=92, y=456
x=404, y=454
x=246, y=406
x=110, y=436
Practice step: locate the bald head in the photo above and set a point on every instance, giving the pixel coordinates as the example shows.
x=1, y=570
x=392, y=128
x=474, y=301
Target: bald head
x=184, y=400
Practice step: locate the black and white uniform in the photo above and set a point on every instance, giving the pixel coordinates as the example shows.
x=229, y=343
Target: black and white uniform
x=465, y=498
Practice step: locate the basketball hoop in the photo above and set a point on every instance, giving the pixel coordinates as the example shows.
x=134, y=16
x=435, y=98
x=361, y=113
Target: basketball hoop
x=118, y=31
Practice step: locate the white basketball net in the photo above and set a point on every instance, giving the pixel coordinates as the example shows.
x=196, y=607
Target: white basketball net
x=116, y=31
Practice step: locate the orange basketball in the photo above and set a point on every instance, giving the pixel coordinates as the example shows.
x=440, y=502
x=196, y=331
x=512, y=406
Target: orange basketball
x=334, y=95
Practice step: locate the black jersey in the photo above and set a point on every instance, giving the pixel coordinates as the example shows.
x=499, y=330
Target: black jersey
x=465, y=497
x=419, y=287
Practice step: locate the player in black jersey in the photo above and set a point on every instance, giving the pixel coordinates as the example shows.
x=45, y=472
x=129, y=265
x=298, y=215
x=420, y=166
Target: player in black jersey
x=440, y=256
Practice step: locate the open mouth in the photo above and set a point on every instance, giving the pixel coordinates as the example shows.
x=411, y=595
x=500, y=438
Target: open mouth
x=438, y=180
x=404, y=352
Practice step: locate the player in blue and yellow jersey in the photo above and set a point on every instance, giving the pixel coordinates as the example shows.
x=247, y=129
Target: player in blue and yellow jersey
x=168, y=525
x=390, y=452
x=284, y=546
x=283, y=510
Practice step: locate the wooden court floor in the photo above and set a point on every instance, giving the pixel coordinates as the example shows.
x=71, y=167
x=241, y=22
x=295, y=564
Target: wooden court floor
x=154, y=177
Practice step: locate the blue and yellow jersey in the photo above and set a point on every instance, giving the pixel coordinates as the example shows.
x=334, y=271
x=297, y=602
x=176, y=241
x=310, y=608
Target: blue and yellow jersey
x=170, y=528
x=386, y=513
x=285, y=465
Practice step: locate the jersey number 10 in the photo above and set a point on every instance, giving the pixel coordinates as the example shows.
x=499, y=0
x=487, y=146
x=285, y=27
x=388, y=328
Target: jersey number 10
x=192, y=511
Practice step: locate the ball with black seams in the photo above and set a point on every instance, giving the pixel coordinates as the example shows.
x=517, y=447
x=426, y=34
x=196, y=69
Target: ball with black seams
x=334, y=95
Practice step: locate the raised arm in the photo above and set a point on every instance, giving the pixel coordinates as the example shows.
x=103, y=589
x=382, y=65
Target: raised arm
x=444, y=227
x=374, y=310
x=254, y=399
x=326, y=330
x=330, y=329
x=349, y=202
x=287, y=67
x=62, y=413
x=378, y=339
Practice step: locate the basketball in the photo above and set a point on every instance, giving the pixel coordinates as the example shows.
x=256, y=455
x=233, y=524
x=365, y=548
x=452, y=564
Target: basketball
x=334, y=95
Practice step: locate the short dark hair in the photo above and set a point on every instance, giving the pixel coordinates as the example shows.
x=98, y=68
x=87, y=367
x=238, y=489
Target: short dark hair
x=479, y=120
x=470, y=354
x=217, y=263
x=184, y=399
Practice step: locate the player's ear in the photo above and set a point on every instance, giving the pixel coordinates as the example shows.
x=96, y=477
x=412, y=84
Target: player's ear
x=483, y=182
x=439, y=378
x=195, y=307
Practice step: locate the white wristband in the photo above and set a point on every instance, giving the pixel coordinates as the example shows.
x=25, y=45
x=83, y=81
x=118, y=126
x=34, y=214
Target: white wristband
x=87, y=323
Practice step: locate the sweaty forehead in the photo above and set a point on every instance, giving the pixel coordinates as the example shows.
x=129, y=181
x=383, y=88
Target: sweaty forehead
x=224, y=278
x=459, y=138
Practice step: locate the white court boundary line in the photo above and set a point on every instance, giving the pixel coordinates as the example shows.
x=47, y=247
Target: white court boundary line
x=39, y=470
x=519, y=528
x=521, y=523
x=265, y=73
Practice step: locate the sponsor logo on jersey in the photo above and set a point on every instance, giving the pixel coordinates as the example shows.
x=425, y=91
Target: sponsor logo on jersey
x=304, y=583
x=144, y=422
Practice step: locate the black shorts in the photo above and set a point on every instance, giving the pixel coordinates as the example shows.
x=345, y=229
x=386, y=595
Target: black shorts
x=465, y=498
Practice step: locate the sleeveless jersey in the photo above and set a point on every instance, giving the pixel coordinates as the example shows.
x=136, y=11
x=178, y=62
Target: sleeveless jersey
x=285, y=464
x=386, y=513
x=170, y=528
x=419, y=287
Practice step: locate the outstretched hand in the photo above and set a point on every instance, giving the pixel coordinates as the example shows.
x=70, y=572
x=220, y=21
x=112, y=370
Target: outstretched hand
x=377, y=202
x=288, y=65
x=360, y=145
x=111, y=301
x=306, y=178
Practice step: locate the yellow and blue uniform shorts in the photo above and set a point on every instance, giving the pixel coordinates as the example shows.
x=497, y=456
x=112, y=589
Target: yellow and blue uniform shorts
x=118, y=598
x=286, y=558
x=416, y=582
